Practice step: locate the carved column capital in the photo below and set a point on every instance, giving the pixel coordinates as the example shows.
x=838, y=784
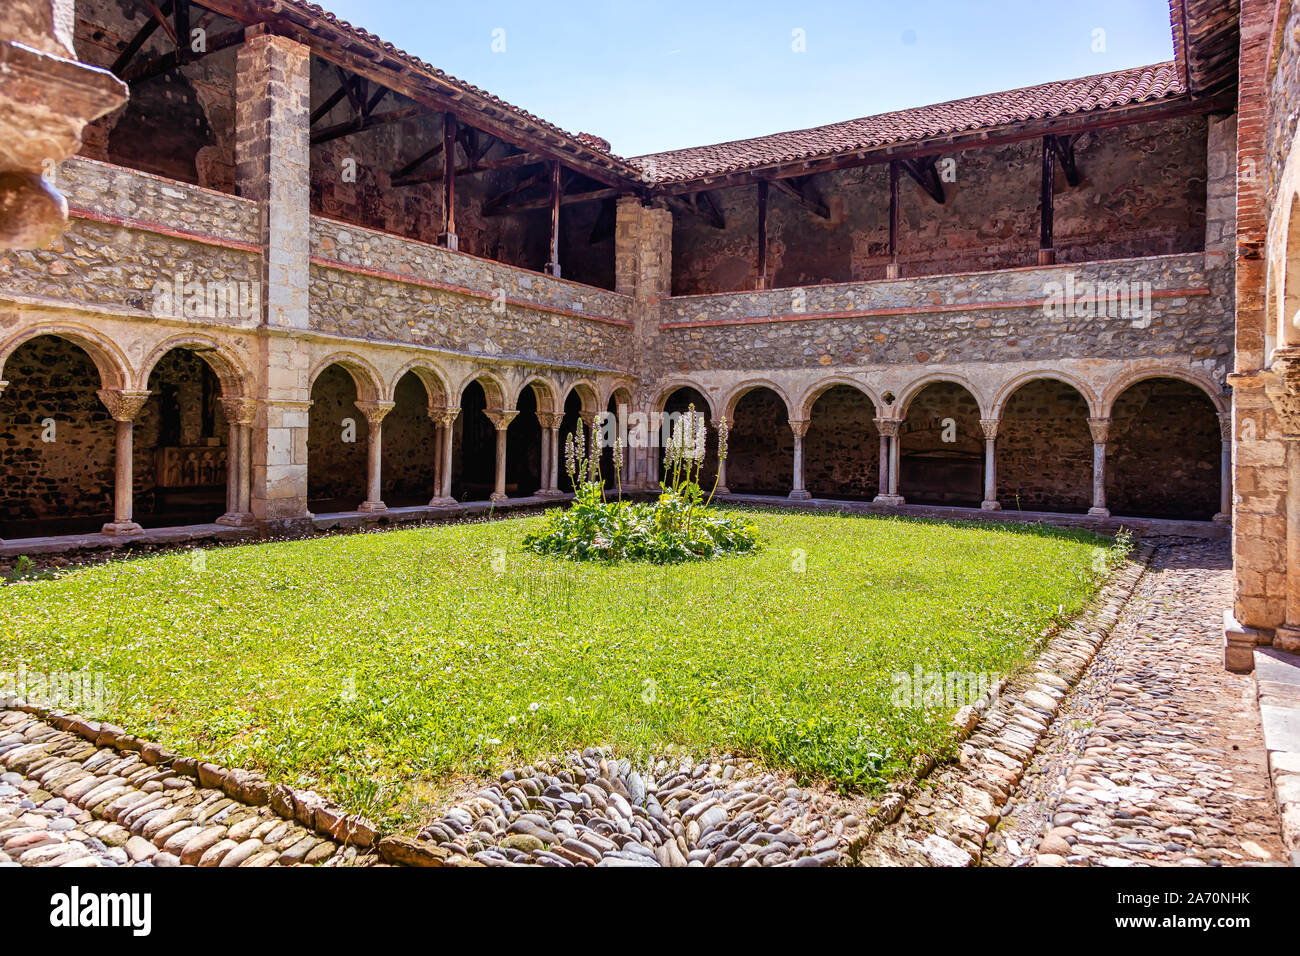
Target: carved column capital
x=1225, y=426
x=1100, y=428
x=888, y=427
x=799, y=426
x=550, y=420
x=2, y=386
x=374, y=411
x=239, y=409
x=990, y=428
x=501, y=417
x=444, y=415
x=123, y=404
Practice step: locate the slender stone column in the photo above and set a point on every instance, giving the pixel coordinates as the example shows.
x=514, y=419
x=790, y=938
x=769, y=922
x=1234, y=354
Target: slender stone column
x=501, y=419
x=722, y=488
x=1100, y=428
x=123, y=405
x=240, y=413
x=1225, y=469
x=889, y=428
x=800, y=428
x=374, y=412
x=446, y=419
x=550, y=422
x=990, y=427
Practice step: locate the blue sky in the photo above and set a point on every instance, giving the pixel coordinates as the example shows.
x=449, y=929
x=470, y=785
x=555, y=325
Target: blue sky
x=650, y=76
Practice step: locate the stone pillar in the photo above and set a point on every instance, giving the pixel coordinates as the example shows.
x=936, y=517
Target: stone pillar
x=1225, y=469
x=123, y=405
x=643, y=250
x=722, y=488
x=501, y=419
x=990, y=428
x=889, y=429
x=1284, y=393
x=374, y=412
x=273, y=165
x=1100, y=428
x=446, y=419
x=800, y=428
x=240, y=414
x=550, y=422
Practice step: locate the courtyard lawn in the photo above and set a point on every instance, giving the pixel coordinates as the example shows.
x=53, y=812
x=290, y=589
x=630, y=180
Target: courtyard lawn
x=384, y=669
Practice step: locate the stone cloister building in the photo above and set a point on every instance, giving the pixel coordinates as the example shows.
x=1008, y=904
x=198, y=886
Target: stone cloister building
x=308, y=278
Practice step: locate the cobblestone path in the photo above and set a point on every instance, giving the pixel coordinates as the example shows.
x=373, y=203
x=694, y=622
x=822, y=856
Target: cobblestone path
x=1156, y=757
x=66, y=802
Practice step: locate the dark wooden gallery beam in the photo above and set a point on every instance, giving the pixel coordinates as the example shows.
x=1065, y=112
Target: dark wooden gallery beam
x=801, y=189
x=449, y=136
x=923, y=170
x=891, y=270
x=761, y=280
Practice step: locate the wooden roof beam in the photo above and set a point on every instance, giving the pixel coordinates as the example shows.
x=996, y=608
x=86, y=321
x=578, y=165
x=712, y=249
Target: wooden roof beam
x=801, y=189
x=922, y=169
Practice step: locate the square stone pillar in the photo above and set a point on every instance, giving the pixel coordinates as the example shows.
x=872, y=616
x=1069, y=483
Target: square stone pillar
x=273, y=166
x=643, y=251
x=278, y=498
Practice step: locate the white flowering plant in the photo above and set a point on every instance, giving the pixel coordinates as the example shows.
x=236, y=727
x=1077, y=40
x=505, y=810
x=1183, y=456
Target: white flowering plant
x=679, y=526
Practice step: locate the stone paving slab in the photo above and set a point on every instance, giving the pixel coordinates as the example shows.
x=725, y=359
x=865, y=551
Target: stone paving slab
x=1156, y=756
x=1277, y=675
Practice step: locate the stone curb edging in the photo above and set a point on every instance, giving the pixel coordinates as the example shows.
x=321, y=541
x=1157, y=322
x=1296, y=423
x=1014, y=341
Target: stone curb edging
x=1000, y=738
x=304, y=807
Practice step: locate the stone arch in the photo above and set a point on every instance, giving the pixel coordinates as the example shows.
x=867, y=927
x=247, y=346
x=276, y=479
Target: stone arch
x=620, y=393
x=1044, y=445
x=545, y=393
x=732, y=398
x=57, y=448
x=1288, y=333
x=182, y=435
x=365, y=377
x=409, y=448
x=841, y=450
x=111, y=362
x=474, y=438
x=587, y=393
x=810, y=395
x=337, y=434
x=1010, y=388
x=493, y=386
x=435, y=383
x=761, y=457
x=1201, y=381
x=676, y=401
x=676, y=385
x=941, y=443
x=915, y=388
x=1163, y=450
x=224, y=363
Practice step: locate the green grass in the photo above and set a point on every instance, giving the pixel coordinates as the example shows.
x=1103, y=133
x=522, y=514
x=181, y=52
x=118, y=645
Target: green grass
x=384, y=668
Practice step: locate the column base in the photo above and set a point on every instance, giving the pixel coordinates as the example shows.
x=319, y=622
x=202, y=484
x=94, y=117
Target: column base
x=1239, y=644
x=991, y=505
x=443, y=502
x=894, y=500
x=724, y=490
x=1099, y=512
x=372, y=507
x=118, y=528
x=1287, y=639
x=448, y=240
x=798, y=495
x=1222, y=518
x=237, y=519
x=549, y=493
x=498, y=499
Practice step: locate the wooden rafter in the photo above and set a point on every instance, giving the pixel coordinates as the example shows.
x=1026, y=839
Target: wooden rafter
x=923, y=171
x=1063, y=147
x=149, y=69
x=801, y=189
x=404, y=171
x=566, y=199
x=702, y=205
x=161, y=17
x=498, y=202
x=358, y=124
x=139, y=40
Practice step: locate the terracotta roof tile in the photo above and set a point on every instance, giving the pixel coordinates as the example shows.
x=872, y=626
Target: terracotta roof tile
x=1045, y=101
